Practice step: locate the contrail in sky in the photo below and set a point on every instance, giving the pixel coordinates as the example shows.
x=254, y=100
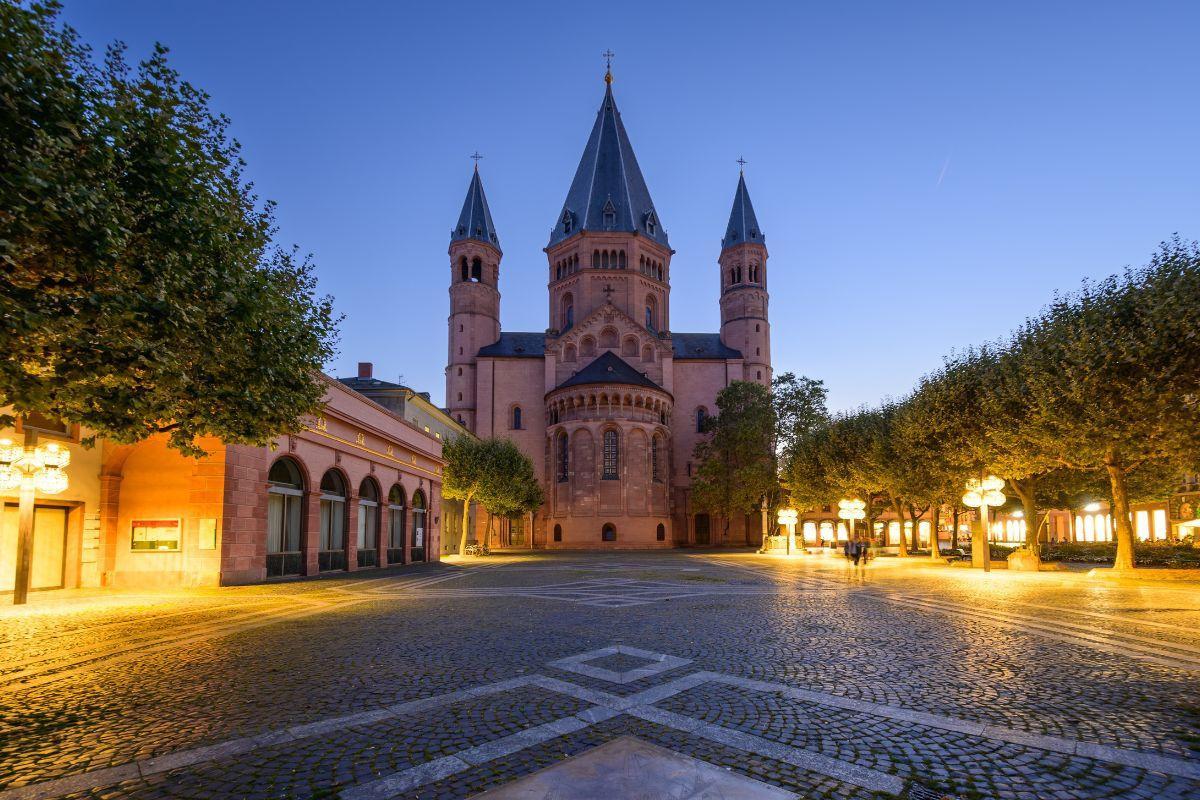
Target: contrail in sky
x=942, y=174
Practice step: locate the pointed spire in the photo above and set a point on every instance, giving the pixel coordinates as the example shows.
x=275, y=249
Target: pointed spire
x=475, y=221
x=608, y=192
x=743, y=225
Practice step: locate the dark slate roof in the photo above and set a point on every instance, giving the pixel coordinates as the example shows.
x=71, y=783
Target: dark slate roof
x=516, y=345
x=475, y=221
x=701, y=345
x=743, y=225
x=367, y=384
x=608, y=179
x=609, y=368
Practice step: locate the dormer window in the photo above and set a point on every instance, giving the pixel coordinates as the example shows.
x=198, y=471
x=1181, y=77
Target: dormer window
x=651, y=223
x=566, y=222
x=610, y=214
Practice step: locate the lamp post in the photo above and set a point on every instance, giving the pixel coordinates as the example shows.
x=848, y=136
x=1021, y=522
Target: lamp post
x=32, y=468
x=787, y=517
x=851, y=511
x=983, y=493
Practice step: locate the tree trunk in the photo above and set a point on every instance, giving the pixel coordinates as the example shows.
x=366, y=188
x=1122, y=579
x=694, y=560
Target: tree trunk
x=1120, y=512
x=954, y=533
x=1027, y=493
x=898, y=507
x=935, y=552
x=466, y=525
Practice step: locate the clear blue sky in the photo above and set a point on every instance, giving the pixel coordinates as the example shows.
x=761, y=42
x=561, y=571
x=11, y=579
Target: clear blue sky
x=927, y=174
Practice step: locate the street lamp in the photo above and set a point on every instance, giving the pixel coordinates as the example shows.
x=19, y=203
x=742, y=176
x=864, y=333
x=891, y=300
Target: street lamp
x=983, y=493
x=31, y=468
x=788, y=517
x=851, y=510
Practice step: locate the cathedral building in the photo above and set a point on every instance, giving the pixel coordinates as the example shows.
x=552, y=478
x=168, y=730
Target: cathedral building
x=609, y=399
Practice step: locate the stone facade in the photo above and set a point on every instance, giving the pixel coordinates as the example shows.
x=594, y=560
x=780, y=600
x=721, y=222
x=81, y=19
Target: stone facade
x=607, y=400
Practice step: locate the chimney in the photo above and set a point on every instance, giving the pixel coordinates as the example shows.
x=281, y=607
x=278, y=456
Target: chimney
x=365, y=368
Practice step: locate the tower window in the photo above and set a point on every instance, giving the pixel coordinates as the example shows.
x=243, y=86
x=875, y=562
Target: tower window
x=701, y=416
x=611, y=456
x=610, y=214
x=516, y=418
x=621, y=259
x=476, y=270
x=654, y=473
x=463, y=269
x=564, y=458
x=651, y=313
x=566, y=222
x=595, y=259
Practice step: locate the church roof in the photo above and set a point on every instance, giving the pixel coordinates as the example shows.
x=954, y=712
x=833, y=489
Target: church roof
x=475, y=221
x=743, y=225
x=609, y=368
x=701, y=346
x=608, y=192
x=516, y=345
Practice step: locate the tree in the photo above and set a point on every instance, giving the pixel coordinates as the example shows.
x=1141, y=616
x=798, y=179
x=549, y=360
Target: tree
x=799, y=409
x=491, y=472
x=141, y=291
x=1113, y=377
x=736, y=463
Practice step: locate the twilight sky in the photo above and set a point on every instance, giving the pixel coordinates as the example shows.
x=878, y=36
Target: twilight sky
x=926, y=174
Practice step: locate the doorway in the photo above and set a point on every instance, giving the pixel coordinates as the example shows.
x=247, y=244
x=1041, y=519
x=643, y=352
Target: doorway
x=703, y=527
x=49, y=548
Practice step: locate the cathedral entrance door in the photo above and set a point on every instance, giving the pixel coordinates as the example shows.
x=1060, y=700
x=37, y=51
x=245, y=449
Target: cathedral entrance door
x=702, y=529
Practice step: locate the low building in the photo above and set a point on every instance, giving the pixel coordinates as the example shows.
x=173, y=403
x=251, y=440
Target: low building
x=357, y=487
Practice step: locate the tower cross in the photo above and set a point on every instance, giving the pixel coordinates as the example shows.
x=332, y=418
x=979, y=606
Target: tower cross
x=741, y=162
x=608, y=57
x=476, y=156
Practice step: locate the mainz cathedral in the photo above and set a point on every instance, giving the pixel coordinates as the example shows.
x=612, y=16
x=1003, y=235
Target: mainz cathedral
x=609, y=399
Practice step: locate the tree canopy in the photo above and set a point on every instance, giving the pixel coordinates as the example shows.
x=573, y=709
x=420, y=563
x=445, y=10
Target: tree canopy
x=491, y=472
x=142, y=291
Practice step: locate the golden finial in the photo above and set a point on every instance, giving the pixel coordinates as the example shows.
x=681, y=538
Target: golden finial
x=608, y=57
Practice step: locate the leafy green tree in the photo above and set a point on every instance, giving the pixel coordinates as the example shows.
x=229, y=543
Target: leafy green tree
x=491, y=472
x=1113, y=377
x=736, y=468
x=800, y=407
x=141, y=291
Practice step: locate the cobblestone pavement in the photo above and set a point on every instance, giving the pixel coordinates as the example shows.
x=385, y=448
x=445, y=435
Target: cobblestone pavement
x=442, y=681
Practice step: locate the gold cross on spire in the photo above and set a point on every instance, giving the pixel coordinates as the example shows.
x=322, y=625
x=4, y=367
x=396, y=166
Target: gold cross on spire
x=608, y=57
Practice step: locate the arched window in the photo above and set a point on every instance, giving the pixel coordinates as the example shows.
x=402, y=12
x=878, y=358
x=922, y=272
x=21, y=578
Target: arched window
x=396, y=525
x=569, y=353
x=332, y=544
x=608, y=339
x=608, y=533
x=367, y=542
x=516, y=418
x=595, y=259
x=701, y=416
x=732, y=276
x=462, y=264
x=739, y=274
x=629, y=347
x=564, y=458
x=621, y=259
x=611, y=456
x=418, y=514
x=655, y=472
x=647, y=353
x=558, y=533
x=604, y=260
x=568, y=311
x=476, y=270
x=661, y=533
x=587, y=347
x=651, y=313
x=285, y=514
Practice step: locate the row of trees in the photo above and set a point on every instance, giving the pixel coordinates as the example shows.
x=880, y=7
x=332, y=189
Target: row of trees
x=492, y=473
x=1098, y=393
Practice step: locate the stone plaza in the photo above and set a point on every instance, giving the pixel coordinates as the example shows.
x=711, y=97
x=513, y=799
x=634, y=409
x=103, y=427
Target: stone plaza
x=570, y=675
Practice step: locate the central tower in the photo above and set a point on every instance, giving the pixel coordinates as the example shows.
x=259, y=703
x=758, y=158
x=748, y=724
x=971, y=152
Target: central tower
x=608, y=245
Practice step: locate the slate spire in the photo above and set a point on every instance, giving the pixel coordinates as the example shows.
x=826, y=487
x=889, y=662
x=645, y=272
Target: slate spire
x=608, y=192
x=743, y=225
x=475, y=221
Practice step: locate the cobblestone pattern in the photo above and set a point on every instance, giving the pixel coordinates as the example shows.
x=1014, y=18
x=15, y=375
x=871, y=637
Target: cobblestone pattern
x=969, y=766
x=378, y=643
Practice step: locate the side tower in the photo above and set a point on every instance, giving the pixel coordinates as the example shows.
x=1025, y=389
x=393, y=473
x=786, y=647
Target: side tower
x=474, y=299
x=744, y=297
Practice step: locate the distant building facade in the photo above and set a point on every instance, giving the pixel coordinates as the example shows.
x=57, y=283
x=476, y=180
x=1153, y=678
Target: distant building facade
x=608, y=399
